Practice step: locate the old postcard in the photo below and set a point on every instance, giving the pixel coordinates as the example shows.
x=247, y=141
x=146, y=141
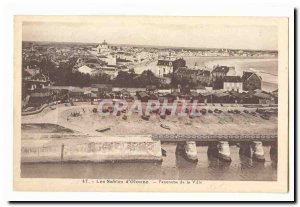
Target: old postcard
x=164, y=104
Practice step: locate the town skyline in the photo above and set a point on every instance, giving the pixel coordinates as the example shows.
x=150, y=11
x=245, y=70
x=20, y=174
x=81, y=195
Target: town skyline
x=147, y=45
x=144, y=31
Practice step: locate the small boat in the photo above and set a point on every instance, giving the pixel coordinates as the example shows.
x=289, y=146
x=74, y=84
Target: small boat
x=168, y=111
x=165, y=126
x=103, y=130
x=163, y=116
x=146, y=117
x=236, y=111
x=264, y=116
x=218, y=111
x=203, y=111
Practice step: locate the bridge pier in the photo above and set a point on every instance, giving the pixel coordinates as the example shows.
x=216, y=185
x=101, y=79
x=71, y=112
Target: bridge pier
x=258, y=151
x=252, y=149
x=220, y=149
x=188, y=150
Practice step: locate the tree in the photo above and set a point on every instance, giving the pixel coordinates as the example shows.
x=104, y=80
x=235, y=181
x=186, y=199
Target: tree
x=100, y=78
x=125, y=79
x=147, y=78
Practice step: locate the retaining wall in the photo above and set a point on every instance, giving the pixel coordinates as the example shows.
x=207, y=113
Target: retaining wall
x=90, y=151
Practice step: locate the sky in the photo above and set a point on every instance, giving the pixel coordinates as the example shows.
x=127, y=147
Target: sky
x=183, y=32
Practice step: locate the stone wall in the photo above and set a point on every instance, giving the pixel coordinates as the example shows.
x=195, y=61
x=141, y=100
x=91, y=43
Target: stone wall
x=99, y=151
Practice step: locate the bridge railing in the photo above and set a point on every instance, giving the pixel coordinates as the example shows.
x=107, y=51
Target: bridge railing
x=210, y=138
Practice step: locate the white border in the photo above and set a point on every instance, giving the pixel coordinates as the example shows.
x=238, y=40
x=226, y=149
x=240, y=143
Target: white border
x=131, y=7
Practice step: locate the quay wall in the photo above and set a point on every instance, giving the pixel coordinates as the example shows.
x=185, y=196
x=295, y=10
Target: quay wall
x=92, y=151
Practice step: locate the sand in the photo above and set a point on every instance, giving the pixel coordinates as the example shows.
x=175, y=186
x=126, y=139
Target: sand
x=88, y=122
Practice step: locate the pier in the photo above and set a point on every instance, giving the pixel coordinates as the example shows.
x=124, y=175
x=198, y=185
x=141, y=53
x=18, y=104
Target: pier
x=82, y=148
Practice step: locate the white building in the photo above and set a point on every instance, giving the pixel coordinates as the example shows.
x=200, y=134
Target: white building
x=164, y=67
x=111, y=71
x=233, y=83
x=109, y=59
x=103, y=48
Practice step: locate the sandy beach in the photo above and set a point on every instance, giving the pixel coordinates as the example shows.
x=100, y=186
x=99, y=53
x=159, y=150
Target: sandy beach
x=88, y=122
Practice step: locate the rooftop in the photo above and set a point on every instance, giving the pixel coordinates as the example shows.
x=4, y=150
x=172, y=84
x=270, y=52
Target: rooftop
x=232, y=79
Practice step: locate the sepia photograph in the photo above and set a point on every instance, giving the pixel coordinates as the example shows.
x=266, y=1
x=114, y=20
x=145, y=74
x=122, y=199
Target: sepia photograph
x=172, y=103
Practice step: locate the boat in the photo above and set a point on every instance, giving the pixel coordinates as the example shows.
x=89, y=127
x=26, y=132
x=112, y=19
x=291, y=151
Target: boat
x=146, y=117
x=163, y=116
x=264, y=116
x=203, y=111
x=246, y=111
x=236, y=111
x=165, y=126
x=103, y=130
x=218, y=111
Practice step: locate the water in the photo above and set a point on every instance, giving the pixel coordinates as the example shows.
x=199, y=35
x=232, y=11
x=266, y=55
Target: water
x=173, y=168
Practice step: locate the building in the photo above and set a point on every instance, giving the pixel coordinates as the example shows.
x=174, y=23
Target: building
x=32, y=70
x=251, y=81
x=232, y=83
x=36, y=81
x=217, y=75
x=169, y=65
x=100, y=90
x=263, y=97
x=164, y=67
x=39, y=97
x=275, y=94
x=94, y=63
x=108, y=59
x=103, y=48
x=200, y=77
x=111, y=71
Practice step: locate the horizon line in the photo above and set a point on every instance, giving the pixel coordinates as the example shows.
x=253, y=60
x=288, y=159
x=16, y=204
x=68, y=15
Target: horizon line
x=153, y=46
